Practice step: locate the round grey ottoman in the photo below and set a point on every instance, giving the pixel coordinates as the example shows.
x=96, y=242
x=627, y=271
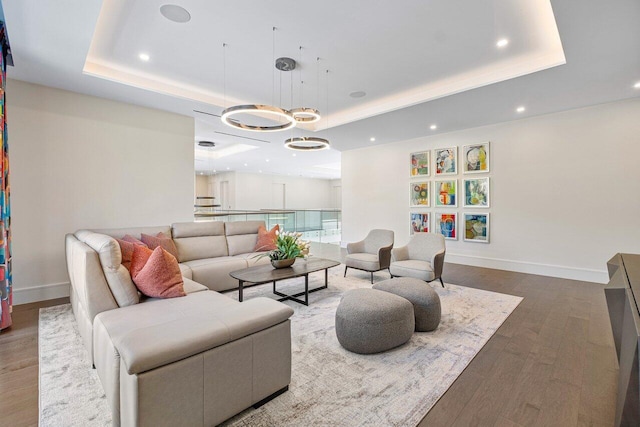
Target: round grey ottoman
x=426, y=302
x=370, y=321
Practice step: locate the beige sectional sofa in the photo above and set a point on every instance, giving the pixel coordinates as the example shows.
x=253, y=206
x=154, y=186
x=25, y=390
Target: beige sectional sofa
x=194, y=360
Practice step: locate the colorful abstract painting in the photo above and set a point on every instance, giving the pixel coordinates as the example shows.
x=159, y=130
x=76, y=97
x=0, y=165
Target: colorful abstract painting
x=419, y=194
x=476, y=227
x=475, y=158
x=446, y=160
x=419, y=164
x=6, y=290
x=419, y=223
x=445, y=193
x=476, y=193
x=447, y=225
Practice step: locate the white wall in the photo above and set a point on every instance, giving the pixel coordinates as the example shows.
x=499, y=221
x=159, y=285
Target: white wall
x=84, y=162
x=565, y=191
x=254, y=191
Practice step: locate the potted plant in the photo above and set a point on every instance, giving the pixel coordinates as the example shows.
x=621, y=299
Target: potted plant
x=288, y=248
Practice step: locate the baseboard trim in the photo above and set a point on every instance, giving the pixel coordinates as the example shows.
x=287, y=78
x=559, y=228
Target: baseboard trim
x=564, y=272
x=40, y=293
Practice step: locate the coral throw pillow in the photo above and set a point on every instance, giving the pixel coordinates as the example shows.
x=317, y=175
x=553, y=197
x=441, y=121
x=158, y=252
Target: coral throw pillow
x=139, y=258
x=131, y=239
x=160, y=277
x=161, y=240
x=266, y=239
x=127, y=253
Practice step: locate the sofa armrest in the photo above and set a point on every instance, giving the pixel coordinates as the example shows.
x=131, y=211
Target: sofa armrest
x=147, y=348
x=355, y=247
x=384, y=256
x=400, y=254
x=437, y=263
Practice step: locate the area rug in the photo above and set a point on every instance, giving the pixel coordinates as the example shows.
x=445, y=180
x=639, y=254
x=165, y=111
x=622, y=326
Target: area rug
x=329, y=386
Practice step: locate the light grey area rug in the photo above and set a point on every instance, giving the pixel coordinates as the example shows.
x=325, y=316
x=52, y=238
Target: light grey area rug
x=329, y=386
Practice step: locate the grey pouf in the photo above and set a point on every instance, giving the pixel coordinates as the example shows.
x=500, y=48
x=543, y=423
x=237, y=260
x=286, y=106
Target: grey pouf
x=426, y=302
x=370, y=321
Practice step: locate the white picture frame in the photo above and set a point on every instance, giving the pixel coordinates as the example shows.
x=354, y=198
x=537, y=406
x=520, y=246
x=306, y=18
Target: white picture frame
x=477, y=192
x=476, y=227
x=475, y=158
x=446, y=223
x=445, y=161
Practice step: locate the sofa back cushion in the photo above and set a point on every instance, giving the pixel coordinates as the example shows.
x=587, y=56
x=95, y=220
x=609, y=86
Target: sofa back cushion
x=118, y=278
x=119, y=233
x=199, y=240
x=242, y=236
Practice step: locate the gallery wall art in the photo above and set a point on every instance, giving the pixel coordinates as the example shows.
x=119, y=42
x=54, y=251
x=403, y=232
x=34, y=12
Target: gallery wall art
x=419, y=222
x=419, y=164
x=476, y=192
x=475, y=158
x=419, y=192
x=447, y=225
x=446, y=161
x=445, y=193
x=476, y=227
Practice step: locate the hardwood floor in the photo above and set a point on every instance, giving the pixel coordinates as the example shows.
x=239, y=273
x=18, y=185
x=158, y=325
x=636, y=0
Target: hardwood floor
x=552, y=363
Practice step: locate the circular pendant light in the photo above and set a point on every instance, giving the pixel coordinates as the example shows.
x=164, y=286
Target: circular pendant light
x=307, y=143
x=305, y=115
x=263, y=110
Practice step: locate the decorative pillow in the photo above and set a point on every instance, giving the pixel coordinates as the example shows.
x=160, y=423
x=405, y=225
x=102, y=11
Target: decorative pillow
x=160, y=277
x=161, y=240
x=266, y=239
x=141, y=254
x=127, y=253
x=131, y=239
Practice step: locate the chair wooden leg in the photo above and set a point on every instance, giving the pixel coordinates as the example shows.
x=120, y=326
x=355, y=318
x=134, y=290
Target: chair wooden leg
x=441, y=282
x=345, y=271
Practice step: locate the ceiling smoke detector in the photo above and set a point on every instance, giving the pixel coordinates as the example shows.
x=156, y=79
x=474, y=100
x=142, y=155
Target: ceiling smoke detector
x=206, y=144
x=285, y=64
x=175, y=13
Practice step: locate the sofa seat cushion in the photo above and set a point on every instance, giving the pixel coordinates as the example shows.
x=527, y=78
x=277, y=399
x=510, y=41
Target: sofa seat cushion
x=214, y=272
x=363, y=261
x=186, y=271
x=253, y=258
x=161, y=332
x=412, y=268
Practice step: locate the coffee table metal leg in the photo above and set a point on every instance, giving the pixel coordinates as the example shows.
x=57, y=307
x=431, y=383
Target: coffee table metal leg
x=326, y=277
x=241, y=284
x=306, y=289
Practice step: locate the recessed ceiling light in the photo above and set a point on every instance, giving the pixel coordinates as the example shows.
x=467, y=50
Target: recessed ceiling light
x=637, y=85
x=502, y=42
x=144, y=57
x=358, y=94
x=433, y=127
x=372, y=139
x=293, y=155
x=520, y=109
x=266, y=160
x=245, y=164
x=260, y=171
x=175, y=13
x=228, y=168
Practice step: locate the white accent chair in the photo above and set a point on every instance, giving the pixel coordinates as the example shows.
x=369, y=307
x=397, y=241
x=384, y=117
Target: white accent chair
x=371, y=254
x=422, y=258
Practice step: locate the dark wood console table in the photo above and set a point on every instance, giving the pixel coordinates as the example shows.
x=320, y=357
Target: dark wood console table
x=623, y=301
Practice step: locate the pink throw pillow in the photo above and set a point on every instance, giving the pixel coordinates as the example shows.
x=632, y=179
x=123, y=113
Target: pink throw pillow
x=161, y=240
x=266, y=239
x=139, y=258
x=160, y=277
x=131, y=239
x=127, y=253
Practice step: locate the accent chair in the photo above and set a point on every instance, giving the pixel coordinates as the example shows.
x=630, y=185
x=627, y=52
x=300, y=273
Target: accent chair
x=371, y=254
x=422, y=258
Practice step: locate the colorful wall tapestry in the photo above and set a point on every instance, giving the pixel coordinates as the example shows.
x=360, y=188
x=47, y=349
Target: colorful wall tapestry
x=5, y=207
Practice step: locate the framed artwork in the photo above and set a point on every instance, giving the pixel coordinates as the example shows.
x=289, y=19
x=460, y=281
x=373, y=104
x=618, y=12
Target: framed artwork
x=447, y=225
x=445, y=193
x=446, y=160
x=476, y=193
x=475, y=158
x=419, y=222
x=419, y=194
x=476, y=227
x=419, y=164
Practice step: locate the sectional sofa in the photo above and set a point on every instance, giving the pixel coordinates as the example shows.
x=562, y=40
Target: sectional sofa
x=195, y=360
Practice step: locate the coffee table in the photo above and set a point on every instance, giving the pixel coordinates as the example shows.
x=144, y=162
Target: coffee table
x=266, y=273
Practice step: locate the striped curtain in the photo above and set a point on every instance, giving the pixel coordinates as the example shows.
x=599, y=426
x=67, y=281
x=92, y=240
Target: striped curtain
x=6, y=295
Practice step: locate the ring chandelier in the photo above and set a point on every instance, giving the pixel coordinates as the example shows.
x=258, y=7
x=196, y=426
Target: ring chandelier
x=264, y=110
x=307, y=143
